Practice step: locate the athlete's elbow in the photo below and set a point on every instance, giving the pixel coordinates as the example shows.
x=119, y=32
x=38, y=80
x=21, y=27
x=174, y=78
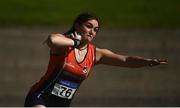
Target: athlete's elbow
x=50, y=41
x=53, y=39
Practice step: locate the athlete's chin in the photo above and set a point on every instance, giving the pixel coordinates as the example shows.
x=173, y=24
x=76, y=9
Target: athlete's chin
x=88, y=39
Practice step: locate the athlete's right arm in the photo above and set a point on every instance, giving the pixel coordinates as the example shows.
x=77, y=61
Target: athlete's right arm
x=58, y=41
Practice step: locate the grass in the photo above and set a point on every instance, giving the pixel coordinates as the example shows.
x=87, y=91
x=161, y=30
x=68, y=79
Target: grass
x=115, y=13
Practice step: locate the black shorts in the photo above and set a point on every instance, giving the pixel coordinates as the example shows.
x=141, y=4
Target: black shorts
x=46, y=99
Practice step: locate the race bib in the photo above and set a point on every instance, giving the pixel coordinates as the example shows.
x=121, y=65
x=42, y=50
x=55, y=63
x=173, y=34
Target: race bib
x=65, y=89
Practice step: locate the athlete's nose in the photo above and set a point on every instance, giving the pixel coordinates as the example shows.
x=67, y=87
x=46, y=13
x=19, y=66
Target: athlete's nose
x=91, y=32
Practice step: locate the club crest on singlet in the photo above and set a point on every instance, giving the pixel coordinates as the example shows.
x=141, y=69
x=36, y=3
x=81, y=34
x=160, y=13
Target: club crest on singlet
x=84, y=70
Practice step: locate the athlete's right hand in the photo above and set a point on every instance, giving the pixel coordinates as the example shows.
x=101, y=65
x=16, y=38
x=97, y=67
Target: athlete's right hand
x=77, y=38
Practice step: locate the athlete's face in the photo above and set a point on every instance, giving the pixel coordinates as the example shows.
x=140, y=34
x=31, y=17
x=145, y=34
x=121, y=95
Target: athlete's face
x=88, y=30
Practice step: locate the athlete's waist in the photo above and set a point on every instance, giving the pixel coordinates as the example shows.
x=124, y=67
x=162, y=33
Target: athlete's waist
x=71, y=77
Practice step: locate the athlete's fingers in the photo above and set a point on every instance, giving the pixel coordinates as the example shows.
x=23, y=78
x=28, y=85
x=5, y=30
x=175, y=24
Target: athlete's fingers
x=77, y=36
x=162, y=61
x=72, y=35
x=155, y=62
x=75, y=33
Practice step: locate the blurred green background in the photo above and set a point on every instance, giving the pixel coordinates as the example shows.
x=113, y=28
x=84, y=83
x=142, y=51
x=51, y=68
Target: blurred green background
x=120, y=13
x=133, y=27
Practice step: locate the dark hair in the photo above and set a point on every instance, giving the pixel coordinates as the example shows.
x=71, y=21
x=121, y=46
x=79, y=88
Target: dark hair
x=81, y=18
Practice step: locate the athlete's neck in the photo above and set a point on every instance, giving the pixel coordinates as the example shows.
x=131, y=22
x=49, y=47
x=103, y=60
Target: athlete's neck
x=82, y=47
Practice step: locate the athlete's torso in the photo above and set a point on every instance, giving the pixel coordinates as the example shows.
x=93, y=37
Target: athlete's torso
x=65, y=74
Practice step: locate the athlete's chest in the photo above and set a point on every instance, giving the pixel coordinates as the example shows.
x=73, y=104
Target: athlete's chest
x=80, y=69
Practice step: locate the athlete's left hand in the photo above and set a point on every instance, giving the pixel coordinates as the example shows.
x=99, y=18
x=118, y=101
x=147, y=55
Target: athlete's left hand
x=154, y=62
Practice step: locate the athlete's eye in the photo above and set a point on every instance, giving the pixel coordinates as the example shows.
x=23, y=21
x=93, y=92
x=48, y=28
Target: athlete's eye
x=88, y=25
x=96, y=29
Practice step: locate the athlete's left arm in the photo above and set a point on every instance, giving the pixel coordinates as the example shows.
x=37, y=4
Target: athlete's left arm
x=105, y=56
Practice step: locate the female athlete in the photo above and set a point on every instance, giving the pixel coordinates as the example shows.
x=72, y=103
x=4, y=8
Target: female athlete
x=72, y=56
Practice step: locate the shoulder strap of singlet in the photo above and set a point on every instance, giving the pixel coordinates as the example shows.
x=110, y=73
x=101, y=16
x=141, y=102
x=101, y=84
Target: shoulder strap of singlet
x=94, y=50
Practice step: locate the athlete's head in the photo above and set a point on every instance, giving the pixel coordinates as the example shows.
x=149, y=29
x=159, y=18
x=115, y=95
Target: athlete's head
x=87, y=25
